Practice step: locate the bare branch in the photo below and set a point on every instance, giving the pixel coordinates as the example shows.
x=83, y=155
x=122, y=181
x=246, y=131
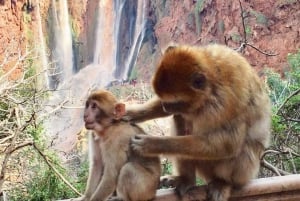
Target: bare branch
x=287, y=99
x=55, y=109
x=245, y=43
x=275, y=170
x=265, y=53
x=15, y=66
x=243, y=22
x=291, y=119
x=20, y=146
x=56, y=171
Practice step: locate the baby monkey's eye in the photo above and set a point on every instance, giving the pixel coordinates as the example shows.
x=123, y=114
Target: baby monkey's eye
x=93, y=105
x=198, y=81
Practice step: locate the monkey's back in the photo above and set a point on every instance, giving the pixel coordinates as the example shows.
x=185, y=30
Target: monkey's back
x=135, y=171
x=119, y=135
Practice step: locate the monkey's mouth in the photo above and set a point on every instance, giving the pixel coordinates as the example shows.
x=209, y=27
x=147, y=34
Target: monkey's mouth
x=175, y=107
x=89, y=125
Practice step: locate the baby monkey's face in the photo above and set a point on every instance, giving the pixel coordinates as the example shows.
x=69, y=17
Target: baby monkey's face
x=94, y=117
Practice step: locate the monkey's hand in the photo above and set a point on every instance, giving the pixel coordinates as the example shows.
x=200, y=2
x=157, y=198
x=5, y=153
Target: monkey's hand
x=82, y=198
x=169, y=181
x=181, y=185
x=143, y=144
x=150, y=110
x=114, y=198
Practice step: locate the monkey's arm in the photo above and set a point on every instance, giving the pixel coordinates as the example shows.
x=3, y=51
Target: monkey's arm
x=96, y=166
x=150, y=110
x=107, y=184
x=216, y=145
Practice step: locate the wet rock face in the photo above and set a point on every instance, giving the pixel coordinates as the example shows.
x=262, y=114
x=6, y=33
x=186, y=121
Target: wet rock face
x=270, y=27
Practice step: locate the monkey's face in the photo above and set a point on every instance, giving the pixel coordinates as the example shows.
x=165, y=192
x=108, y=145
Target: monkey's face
x=179, y=81
x=99, y=110
x=94, y=117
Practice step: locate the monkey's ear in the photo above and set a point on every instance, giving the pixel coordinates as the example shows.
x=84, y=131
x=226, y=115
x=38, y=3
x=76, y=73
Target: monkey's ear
x=119, y=110
x=170, y=48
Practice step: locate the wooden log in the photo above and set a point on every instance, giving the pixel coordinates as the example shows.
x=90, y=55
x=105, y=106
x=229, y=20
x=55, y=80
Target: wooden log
x=284, y=188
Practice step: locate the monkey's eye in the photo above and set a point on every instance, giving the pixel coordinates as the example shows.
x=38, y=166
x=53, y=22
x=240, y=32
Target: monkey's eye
x=198, y=81
x=93, y=105
x=86, y=104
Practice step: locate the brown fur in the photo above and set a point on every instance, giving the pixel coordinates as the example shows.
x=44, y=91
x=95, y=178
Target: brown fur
x=113, y=166
x=221, y=118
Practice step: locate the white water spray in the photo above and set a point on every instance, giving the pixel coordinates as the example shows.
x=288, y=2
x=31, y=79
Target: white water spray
x=73, y=92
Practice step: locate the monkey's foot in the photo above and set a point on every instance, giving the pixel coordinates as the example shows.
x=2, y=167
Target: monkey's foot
x=180, y=184
x=75, y=199
x=114, y=198
x=218, y=190
x=169, y=181
x=193, y=194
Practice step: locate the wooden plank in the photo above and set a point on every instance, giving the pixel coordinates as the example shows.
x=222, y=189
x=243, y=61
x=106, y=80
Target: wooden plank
x=284, y=188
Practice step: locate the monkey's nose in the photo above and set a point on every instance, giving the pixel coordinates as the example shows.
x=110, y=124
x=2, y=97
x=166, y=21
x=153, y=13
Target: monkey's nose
x=85, y=117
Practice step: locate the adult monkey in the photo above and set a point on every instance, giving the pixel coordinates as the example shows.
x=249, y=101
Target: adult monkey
x=221, y=116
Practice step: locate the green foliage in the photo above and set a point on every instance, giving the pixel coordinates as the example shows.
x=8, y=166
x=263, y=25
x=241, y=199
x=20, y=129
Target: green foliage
x=197, y=11
x=167, y=168
x=199, y=6
x=221, y=26
x=134, y=73
x=82, y=176
x=248, y=30
x=3, y=110
x=285, y=97
x=28, y=176
x=278, y=127
x=45, y=185
x=36, y=132
x=281, y=89
x=278, y=87
x=199, y=182
x=236, y=37
x=294, y=75
x=260, y=18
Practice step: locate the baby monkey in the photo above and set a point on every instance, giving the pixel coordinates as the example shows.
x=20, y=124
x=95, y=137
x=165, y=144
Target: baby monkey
x=113, y=165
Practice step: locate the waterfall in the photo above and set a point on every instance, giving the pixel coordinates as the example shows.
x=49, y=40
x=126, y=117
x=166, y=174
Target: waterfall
x=62, y=52
x=129, y=34
x=109, y=43
x=138, y=36
x=42, y=51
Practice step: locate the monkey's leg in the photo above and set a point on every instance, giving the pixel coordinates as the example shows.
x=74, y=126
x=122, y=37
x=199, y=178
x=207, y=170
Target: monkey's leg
x=183, y=169
x=138, y=181
x=96, y=166
x=218, y=190
x=186, y=178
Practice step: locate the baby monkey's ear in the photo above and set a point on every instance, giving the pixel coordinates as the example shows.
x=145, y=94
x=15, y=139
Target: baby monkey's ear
x=119, y=111
x=170, y=48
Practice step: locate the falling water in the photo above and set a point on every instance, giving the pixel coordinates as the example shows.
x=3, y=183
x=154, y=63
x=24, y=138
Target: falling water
x=62, y=57
x=42, y=50
x=68, y=121
x=139, y=33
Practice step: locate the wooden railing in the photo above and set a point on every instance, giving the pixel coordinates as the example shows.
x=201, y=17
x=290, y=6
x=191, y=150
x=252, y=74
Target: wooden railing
x=284, y=188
